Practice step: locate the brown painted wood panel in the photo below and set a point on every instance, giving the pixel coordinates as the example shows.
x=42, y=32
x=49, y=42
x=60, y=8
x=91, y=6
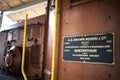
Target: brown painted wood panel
x=91, y=18
x=2, y=47
x=49, y=46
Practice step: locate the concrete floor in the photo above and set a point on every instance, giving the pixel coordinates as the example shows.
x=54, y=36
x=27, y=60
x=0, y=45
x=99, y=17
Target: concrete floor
x=11, y=76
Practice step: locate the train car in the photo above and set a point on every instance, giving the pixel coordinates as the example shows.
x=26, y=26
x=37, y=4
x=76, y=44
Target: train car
x=11, y=44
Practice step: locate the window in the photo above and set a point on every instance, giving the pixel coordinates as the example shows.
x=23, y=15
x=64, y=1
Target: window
x=9, y=38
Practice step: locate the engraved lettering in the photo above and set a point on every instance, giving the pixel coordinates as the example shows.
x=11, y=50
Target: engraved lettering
x=85, y=50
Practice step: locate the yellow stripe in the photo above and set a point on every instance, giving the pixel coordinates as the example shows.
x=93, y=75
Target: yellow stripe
x=54, y=41
x=24, y=47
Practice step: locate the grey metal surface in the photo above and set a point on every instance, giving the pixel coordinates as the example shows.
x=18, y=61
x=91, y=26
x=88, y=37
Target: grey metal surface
x=4, y=77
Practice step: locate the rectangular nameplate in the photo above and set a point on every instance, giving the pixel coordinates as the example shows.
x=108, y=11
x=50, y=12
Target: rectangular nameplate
x=96, y=48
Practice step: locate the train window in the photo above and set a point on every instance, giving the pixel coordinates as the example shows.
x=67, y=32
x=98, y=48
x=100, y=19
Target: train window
x=9, y=38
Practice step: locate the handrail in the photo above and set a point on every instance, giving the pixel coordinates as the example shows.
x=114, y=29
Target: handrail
x=54, y=41
x=24, y=47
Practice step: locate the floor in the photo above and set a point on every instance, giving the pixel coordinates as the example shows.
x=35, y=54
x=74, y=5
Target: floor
x=11, y=76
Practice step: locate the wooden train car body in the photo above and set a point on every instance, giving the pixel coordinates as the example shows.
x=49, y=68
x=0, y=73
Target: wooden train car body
x=83, y=18
x=34, y=47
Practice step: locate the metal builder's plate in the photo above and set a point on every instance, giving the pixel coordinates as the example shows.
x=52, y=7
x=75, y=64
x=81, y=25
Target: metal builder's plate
x=97, y=48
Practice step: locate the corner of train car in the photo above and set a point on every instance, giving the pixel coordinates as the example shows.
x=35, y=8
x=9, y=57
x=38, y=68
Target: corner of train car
x=11, y=41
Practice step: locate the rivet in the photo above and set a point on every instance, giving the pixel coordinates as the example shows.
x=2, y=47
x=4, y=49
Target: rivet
x=109, y=75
